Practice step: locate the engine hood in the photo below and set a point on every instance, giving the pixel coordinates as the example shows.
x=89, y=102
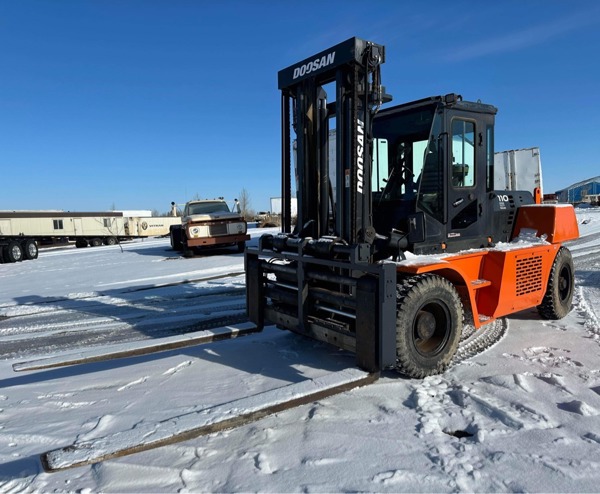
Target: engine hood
x=223, y=216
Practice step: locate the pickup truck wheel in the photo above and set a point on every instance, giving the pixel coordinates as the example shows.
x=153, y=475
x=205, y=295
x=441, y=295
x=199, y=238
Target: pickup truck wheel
x=30, y=249
x=429, y=322
x=556, y=303
x=13, y=252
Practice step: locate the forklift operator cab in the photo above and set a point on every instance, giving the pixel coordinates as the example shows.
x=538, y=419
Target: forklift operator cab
x=447, y=144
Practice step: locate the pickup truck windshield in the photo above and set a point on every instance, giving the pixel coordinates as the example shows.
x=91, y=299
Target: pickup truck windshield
x=208, y=207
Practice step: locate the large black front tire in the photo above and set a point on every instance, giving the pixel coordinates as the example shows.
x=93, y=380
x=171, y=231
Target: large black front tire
x=429, y=321
x=556, y=303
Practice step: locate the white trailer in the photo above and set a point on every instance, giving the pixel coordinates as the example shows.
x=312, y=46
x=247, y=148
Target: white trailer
x=22, y=231
x=519, y=169
x=60, y=224
x=276, y=205
x=154, y=226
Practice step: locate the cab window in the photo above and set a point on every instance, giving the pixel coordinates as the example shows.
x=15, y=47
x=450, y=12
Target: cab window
x=463, y=153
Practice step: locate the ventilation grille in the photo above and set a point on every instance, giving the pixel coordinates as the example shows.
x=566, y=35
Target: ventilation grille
x=511, y=210
x=511, y=218
x=529, y=275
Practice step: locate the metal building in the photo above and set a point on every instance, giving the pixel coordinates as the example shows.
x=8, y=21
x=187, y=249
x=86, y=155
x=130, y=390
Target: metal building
x=585, y=191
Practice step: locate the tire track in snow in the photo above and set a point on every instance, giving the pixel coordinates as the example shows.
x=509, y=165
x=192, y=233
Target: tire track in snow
x=585, y=307
x=104, y=319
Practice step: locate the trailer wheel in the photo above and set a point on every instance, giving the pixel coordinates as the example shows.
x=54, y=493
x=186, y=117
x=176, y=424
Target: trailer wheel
x=429, y=322
x=556, y=303
x=13, y=252
x=96, y=242
x=30, y=249
x=110, y=241
x=80, y=243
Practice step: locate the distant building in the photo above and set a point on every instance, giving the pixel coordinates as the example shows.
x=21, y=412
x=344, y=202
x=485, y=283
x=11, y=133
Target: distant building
x=585, y=191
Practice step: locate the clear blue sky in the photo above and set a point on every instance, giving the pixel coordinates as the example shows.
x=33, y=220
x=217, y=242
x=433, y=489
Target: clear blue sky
x=137, y=103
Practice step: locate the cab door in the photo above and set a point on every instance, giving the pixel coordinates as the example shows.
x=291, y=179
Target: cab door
x=466, y=180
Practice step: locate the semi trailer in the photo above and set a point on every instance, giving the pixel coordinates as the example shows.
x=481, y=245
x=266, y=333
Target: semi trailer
x=22, y=231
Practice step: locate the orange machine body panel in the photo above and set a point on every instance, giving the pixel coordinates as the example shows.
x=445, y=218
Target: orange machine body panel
x=511, y=277
x=495, y=282
x=518, y=280
x=557, y=221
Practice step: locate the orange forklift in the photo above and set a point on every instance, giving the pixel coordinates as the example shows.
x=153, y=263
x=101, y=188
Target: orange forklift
x=399, y=231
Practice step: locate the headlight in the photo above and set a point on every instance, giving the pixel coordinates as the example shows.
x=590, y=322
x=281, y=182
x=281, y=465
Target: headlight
x=197, y=231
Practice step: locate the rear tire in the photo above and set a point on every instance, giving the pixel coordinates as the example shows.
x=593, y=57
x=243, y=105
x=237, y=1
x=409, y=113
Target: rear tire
x=429, y=321
x=556, y=303
x=13, y=252
x=30, y=249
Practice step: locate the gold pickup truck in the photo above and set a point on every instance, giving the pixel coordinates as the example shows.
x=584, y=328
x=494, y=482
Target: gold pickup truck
x=208, y=223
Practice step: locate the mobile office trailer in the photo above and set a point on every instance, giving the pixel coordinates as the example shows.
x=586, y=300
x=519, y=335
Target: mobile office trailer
x=58, y=224
x=89, y=228
x=22, y=231
x=52, y=225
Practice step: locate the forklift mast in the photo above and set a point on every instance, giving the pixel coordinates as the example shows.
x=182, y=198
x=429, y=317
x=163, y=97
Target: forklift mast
x=351, y=72
x=320, y=280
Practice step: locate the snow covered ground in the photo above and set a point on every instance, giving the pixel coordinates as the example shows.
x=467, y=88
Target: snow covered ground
x=523, y=416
